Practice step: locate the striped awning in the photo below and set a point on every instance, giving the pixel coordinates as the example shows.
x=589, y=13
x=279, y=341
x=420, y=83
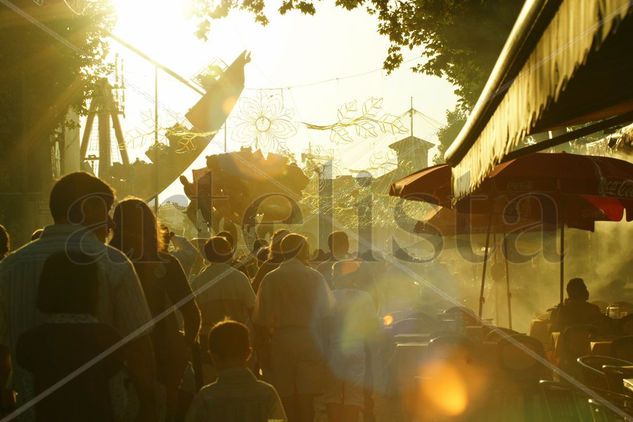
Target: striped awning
x=556, y=69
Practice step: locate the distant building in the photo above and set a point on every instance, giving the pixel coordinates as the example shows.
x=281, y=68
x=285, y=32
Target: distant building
x=413, y=155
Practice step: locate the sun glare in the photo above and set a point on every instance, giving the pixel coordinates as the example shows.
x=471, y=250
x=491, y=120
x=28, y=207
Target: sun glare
x=163, y=29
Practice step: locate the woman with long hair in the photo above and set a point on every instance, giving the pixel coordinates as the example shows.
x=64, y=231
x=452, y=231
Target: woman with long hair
x=137, y=234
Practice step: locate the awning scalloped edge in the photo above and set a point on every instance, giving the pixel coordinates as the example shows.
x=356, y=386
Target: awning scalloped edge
x=564, y=46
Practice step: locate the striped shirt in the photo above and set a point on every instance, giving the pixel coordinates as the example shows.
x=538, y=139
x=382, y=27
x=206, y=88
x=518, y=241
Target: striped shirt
x=237, y=396
x=223, y=291
x=121, y=304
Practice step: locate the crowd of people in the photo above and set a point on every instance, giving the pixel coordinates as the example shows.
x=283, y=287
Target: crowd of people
x=107, y=315
x=115, y=318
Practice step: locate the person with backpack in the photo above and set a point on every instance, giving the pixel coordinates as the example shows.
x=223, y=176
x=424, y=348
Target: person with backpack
x=136, y=233
x=72, y=342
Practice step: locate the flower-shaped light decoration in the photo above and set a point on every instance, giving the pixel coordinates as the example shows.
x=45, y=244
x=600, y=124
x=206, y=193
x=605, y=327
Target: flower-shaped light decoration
x=263, y=122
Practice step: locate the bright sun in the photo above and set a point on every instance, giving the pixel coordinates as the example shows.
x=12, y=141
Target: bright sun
x=163, y=29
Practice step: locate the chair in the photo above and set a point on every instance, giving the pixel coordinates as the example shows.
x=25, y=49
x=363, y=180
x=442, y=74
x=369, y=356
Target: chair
x=625, y=325
x=562, y=403
x=622, y=348
x=573, y=343
x=415, y=326
x=522, y=358
x=618, y=408
x=497, y=334
x=465, y=315
x=594, y=375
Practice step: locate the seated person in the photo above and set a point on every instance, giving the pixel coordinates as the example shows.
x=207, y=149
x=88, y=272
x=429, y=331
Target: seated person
x=236, y=395
x=576, y=310
x=69, y=338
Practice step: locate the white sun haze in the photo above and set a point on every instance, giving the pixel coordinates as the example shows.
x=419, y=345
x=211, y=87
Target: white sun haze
x=292, y=51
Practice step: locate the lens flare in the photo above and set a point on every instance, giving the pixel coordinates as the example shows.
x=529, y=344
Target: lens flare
x=444, y=388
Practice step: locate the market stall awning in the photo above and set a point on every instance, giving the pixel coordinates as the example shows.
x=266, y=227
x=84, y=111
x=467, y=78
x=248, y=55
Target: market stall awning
x=566, y=62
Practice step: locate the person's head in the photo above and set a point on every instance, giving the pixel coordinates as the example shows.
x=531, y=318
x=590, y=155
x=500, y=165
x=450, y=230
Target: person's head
x=5, y=242
x=296, y=246
x=228, y=236
x=319, y=255
x=218, y=249
x=338, y=242
x=165, y=237
x=136, y=231
x=262, y=255
x=576, y=289
x=228, y=344
x=81, y=198
x=68, y=284
x=258, y=244
x=275, y=243
x=37, y=234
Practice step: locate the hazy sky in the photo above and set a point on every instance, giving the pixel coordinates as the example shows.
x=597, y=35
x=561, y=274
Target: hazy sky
x=290, y=58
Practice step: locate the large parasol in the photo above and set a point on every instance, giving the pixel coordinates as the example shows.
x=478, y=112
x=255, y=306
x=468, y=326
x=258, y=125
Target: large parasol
x=565, y=189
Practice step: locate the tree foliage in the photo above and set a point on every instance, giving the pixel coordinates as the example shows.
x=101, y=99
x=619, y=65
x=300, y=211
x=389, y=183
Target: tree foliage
x=50, y=63
x=455, y=119
x=460, y=39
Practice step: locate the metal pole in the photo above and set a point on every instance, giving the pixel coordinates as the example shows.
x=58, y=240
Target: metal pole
x=562, y=261
x=483, y=272
x=156, y=136
x=509, y=295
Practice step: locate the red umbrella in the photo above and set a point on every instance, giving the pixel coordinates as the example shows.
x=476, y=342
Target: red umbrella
x=565, y=189
x=446, y=222
x=606, y=184
x=569, y=189
x=431, y=185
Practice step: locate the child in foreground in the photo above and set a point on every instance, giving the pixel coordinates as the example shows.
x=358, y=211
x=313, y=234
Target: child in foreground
x=237, y=395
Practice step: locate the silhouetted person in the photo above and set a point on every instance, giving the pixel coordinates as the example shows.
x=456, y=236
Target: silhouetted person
x=5, y=242
x=338, y=242
x=293, y=304
x=221, y=290
x=250, y=264
x=71, y=337
x=79, y=204
x=576, y=310
x=229, y=238
x=37, y=233
x=319, y=256
x=275, y=257
x=183, y=250
x=354, y=321
x=7, y=394
x=165, y=286
x=236, y=395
